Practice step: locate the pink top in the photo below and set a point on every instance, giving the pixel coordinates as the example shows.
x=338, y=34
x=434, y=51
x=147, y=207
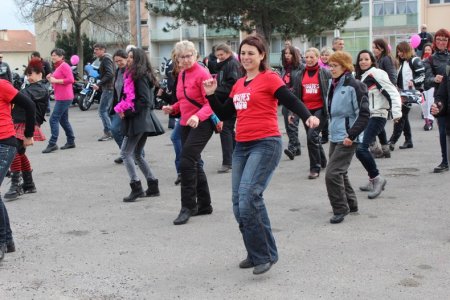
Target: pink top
x=193, y=83
x=63, y=91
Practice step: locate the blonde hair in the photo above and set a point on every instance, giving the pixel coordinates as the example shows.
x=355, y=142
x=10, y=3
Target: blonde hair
x=344, y=59
x=185, y=46
x=326, y=50
x=313, y=50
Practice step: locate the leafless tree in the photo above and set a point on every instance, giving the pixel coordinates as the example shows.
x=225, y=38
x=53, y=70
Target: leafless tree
x=103, y=13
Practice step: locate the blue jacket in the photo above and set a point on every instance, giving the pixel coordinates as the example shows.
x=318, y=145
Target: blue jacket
x=348, y=108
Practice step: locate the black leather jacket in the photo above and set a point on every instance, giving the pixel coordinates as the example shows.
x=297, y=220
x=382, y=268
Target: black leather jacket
x=38, y=92
x=435, y=65
x=324, y=80
x=106, y=71
x=442, y=97
x=227, y=74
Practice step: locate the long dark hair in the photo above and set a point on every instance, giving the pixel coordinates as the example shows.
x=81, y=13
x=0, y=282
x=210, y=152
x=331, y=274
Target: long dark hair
x=141, y=66
x=260, y=44
x=295, y=57
x=358, y=70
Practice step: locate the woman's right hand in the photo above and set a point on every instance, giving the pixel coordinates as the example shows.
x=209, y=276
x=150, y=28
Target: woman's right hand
x=435, y=108
x=28, y=142
x=167, y=109
x=210, y=86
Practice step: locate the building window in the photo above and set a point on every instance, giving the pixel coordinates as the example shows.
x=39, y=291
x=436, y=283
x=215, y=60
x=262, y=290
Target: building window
x=439, y=1
x=399, y=7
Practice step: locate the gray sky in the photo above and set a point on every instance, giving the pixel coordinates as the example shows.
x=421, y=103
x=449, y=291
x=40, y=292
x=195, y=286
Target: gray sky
x=9, y=17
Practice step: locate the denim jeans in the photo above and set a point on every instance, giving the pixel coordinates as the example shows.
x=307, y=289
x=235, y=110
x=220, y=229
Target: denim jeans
x=116, y=129
x=253, y=166
x=175, y=137
x=61, y=115
x=131, y=151
x=315, y=149
x=442, y=139
x=227, y=140
x=374, y=127
x=103, y=109
x=7, y=154
x=339, y=189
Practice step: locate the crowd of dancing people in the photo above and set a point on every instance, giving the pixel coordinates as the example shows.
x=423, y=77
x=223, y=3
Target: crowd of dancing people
x=339, y=101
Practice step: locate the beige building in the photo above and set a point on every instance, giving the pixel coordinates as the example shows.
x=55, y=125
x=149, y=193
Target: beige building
x=16, y=46
x=436, y=14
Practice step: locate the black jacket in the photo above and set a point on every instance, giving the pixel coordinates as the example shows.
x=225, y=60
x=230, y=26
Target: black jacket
x=324, y=80
x=106, y=71
x=142, y=119
x=386, y=64
x=38, y=93
x=442, y=98
x=228, y=72
x=418, y=70
x=435, y=65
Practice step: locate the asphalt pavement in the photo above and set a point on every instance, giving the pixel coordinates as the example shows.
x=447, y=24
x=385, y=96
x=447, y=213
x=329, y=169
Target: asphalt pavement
x=76, y=239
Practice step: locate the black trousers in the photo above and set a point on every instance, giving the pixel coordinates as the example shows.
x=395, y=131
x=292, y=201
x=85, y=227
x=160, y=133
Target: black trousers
x=227, y=139
x=402, y=126
x=194, y=184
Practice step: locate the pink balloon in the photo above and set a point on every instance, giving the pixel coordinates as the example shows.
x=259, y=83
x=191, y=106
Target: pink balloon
x=415, y=41
x=74, y=60
x=390, y=47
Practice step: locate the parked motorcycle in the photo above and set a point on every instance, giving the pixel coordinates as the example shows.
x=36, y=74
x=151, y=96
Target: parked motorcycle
x=88, y=95
x=17, y=79
x=78, y=86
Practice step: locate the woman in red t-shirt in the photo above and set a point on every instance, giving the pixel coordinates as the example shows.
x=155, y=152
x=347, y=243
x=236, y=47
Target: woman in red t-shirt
x=10, y=96
x=254, y=99
x=311, y=87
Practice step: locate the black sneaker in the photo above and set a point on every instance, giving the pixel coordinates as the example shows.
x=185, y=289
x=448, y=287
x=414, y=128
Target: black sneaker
x=441, y=168
x=50, y=148
x=68, y=146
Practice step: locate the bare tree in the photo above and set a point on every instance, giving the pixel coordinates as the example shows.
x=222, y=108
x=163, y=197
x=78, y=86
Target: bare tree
x=79, y=11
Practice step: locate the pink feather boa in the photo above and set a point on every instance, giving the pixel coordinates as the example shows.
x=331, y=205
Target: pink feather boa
x=129, y=93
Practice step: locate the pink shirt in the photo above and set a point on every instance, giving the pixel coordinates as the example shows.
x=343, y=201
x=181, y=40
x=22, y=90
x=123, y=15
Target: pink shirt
x=193, y=83
x=63, y=91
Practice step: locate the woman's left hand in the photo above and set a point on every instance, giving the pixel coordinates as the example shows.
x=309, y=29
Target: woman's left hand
x=347, y=142
x=28, y=142
x=312, y=122
x=121, y=115
x=52, y=79
x=210, y=86
x=193, y=121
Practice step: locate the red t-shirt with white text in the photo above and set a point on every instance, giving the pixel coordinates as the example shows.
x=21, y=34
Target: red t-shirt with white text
x=256, y=106
x=7, y=94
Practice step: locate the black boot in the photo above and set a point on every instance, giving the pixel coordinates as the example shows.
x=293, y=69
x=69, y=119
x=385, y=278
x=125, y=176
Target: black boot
x=203, y=194
x=15, y=190
x=153, y=189
x=28, y=184
x=136, y=191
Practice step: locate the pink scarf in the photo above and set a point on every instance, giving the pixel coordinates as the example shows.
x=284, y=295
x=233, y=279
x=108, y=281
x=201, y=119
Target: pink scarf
x=127, y=101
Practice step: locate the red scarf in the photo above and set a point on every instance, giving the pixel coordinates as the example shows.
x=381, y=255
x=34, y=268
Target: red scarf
x=57, y=64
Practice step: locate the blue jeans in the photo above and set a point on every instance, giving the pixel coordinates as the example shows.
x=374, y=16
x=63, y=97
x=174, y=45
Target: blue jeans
x=253, y=165
x=442, y=139
x=175, y=137
x=116, y=129
x=374, y=127
x=103, y=110
x=131, y=151
x=61, y=115
x=7, y=154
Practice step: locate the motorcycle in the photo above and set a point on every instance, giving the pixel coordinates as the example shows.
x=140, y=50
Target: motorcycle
x=17, y=79
x=78, y=86
x=88, y=95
